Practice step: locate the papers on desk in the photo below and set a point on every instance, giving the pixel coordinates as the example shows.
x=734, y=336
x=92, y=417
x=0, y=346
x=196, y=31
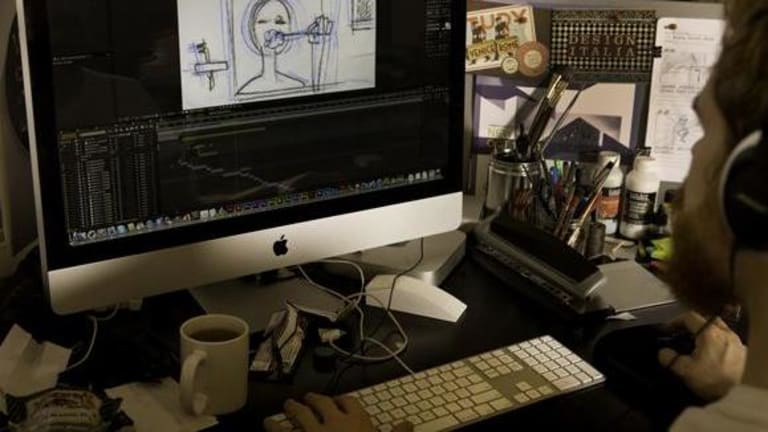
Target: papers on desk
x=28, y=367
x=630, y=287
x=156, y=407
x=690, y=47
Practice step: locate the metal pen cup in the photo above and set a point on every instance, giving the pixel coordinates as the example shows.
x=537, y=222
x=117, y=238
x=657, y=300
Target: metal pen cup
x=511, y=185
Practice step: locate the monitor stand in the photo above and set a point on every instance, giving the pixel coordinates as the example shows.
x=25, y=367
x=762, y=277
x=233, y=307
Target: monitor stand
x=256, y=301
x=442, y=253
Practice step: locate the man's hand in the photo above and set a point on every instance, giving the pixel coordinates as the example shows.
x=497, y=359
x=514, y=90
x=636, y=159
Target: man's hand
x=323, y=414
x=716, y=365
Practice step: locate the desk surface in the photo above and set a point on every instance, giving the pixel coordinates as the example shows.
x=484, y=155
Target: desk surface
x=496, y=316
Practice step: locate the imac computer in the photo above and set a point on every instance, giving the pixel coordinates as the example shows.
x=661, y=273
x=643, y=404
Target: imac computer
x=180, y=143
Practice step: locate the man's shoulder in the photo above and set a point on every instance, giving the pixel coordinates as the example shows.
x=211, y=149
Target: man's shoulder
x=742, y=410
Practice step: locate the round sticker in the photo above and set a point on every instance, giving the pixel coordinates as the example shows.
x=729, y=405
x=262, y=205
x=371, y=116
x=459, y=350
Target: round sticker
x=533, y=58
x=510, y=65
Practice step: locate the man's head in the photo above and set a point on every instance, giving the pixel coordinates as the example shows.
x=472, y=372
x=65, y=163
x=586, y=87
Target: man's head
x=733, y=104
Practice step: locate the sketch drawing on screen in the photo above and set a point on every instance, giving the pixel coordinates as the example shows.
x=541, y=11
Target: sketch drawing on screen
x=273, y=49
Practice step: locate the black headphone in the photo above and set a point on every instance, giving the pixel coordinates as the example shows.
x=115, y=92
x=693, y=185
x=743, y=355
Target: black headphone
x=744, y=192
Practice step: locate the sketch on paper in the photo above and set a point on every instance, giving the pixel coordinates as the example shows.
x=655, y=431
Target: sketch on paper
x=675, y=131
x=686, y=69
x=363, y=14
x=256, y=50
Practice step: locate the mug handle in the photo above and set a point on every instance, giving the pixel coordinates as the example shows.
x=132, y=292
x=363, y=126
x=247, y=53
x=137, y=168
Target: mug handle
x=193, y=402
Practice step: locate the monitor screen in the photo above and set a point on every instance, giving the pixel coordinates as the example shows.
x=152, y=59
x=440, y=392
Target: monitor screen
x=161, y=123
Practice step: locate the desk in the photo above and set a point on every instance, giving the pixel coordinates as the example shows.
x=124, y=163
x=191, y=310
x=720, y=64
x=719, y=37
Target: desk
x=495, y=316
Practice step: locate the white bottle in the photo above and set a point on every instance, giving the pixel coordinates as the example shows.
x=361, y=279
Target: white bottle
x=640, y=200
x=609, y=204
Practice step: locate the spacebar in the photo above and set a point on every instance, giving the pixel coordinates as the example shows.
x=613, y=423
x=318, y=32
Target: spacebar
x=437, y=424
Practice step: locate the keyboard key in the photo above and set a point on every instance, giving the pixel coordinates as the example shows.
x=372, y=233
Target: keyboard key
x=486, y=397
x=438, y=389
x=424, y=405
x=462, y=393
x=398, y=414
x=491, y=373
x=410, y=388
x=466, y=415
x=433, y=372
x=385, y=428
x=449, y=386
x=523, y=386
x=474, y=379
x=407, y=379
x=522, y=355
x=561, y=373
x=427, y=416
x=384, y=395
x=373, y=410
x=397, y=391
x=525, y=345
x=437, y=401
x=521, y=398
x=399, y=402
x=573, y=370
x=499, y=353
x=536, y=342
x=385, y=418
x=415, y=420
x=386, y=406
x=542, y=358
x=438, y=424
x=440, y=412
x=552, y=365
x=425, y=394
x=501, y=404
x=410, y=409
x=423, y=384
x=553, y=355
x=584, y=378
x=494, y=362
x=544, y=348
x=533, y=351
x=448, y=376
x=482, y=365
x=463, y=382
x=545, y=390
x=444, y=368
x=562, y=361
x=531, y=361
x=506, y=359
x=412, y=398
x=453, y=407
x=566, y=383
x=466, y=403
x=462, y=372
x=435, y=380
x=370, y=400
x=573, y=358
x=484, y=410
x=379, y=387
x=486, y=356
x=540, y=368
x=533, y=394
x=366, y=391
x=517, y=367
x=589, y=370
x=550, y=376
x=393, y=384
x=503, y=370
x=479, y=388
x=546, y=338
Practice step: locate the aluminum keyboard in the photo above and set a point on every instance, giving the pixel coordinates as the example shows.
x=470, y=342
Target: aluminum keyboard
x=474, y=389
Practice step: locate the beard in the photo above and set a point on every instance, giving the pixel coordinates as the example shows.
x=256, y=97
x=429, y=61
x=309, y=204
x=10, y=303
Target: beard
x=699, y=270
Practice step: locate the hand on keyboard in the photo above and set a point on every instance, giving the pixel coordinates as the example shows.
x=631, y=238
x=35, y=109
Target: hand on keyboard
x=324, y=414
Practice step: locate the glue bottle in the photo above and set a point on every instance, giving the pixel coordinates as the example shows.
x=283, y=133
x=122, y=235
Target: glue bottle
x=609, y=203
x=640, y=200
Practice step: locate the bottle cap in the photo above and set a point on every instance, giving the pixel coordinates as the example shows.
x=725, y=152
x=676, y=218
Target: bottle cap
x=607, y=157
x=645, y=163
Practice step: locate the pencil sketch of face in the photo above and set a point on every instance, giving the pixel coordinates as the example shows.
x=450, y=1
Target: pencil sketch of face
x=270, y=27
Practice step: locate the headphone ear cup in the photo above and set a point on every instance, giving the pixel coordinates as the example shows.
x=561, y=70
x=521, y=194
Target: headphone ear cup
x=744, y=192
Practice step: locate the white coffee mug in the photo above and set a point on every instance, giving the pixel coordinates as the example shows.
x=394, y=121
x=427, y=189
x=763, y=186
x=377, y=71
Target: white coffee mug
x=214, y=372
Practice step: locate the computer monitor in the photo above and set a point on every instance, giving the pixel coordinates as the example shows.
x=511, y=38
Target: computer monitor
x=180, y=143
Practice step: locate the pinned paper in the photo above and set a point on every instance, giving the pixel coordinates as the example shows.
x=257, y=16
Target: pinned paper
x=28, y=367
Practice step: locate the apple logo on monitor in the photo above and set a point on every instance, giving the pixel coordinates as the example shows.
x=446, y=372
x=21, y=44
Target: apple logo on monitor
x=280, y=247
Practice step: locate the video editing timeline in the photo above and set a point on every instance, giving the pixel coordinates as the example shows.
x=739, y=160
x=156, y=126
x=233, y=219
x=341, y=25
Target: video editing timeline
x=164, y=173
